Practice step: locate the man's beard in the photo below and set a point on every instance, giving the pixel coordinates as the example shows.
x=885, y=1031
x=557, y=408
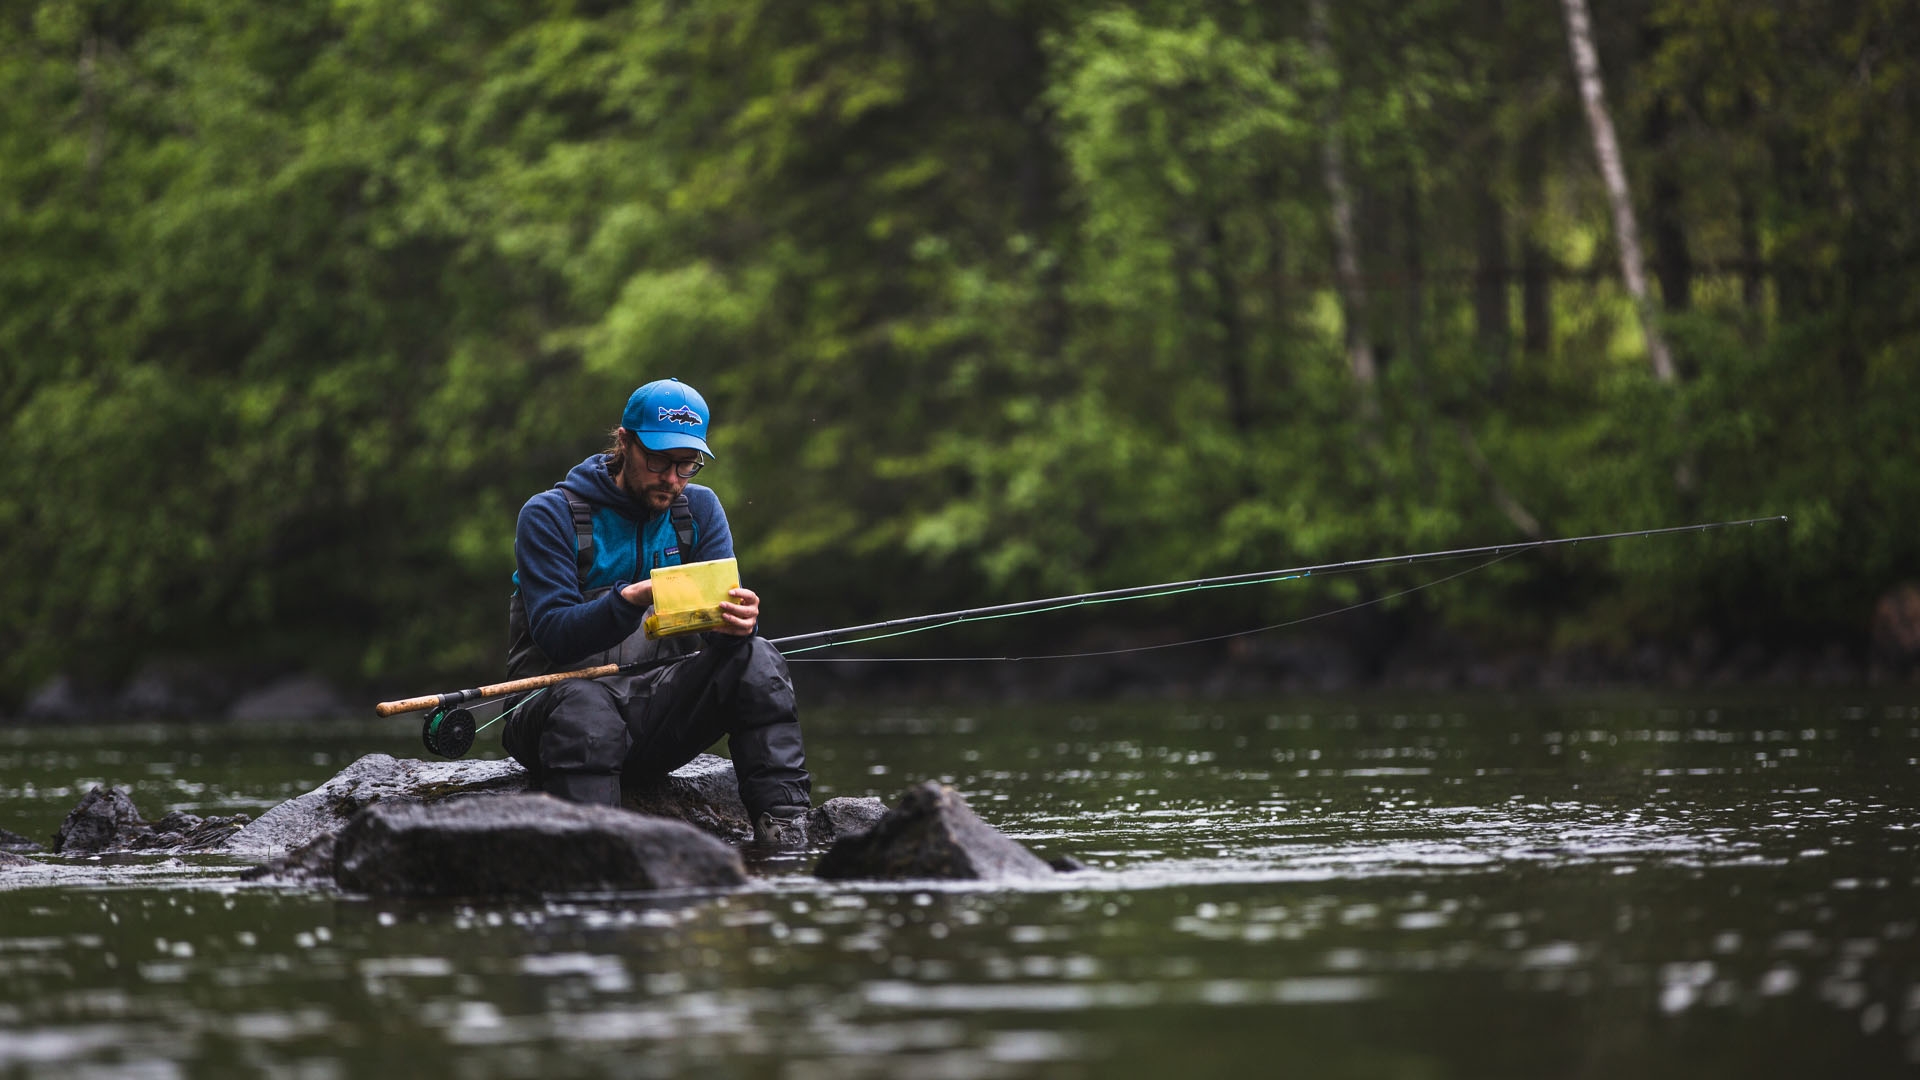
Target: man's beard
x=648, y=493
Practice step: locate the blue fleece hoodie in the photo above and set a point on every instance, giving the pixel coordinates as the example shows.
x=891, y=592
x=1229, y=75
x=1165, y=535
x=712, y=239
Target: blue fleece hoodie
x=565, y=624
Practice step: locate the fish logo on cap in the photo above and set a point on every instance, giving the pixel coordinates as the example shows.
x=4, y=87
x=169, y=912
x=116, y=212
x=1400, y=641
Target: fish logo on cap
x=667, y=414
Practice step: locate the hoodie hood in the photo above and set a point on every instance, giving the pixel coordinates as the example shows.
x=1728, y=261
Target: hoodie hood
x=591, y=481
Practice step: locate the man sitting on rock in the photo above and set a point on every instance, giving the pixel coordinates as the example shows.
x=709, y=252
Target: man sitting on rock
x=584, y=550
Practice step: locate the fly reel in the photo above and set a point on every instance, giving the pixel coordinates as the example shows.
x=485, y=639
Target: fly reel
x=448, y=732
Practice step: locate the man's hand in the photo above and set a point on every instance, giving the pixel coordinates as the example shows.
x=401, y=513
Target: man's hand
x=639, y=594
x=742, y=615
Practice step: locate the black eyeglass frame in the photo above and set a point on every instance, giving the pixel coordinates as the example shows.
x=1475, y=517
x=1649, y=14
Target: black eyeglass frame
x=685, y=470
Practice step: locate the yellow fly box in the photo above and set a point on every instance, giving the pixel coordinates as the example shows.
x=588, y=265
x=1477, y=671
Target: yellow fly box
x=687, y=598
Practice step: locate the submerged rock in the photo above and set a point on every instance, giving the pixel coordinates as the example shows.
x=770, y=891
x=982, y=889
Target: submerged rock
x=104, y=819
x=932, y=833
x=523, y=844
x=8, y=861
x=309, y=864
x=14, y=842
x=107, y=820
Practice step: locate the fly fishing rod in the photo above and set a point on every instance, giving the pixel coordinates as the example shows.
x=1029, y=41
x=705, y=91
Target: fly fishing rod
x=450, y=728
x=823, y=638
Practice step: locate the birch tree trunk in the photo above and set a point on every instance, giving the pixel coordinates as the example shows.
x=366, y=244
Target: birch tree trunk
x=1586, y=64
x=1353, y=290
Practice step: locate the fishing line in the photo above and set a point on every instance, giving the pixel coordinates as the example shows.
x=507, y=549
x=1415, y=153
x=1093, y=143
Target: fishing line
x=504, y=713
x=871, y=631
x=1143, y=648
x=1036, y=611
x=450, y=727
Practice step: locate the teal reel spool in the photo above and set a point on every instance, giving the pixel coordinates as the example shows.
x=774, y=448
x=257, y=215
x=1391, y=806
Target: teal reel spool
x=448, y=732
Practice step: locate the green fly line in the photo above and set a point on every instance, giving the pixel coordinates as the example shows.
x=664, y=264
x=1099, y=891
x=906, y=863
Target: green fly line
x=1041, y=610
x=449, y=727
x=1137, y=648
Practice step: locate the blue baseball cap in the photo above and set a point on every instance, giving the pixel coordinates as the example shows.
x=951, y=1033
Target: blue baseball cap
x=667, y=414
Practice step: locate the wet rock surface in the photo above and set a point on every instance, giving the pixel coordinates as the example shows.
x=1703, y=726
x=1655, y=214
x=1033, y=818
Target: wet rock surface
x=107, y=821
x=374, y=778
x=702, y=793
x=313, y=862
x=523, y=844
x=19, y=845
x=932, y=833
x=842, y=817
x=8, y=861
x=309, y=864
x=409, y=827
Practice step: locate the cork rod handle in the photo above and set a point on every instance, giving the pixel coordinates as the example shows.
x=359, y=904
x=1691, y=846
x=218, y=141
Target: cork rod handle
x=407, y=705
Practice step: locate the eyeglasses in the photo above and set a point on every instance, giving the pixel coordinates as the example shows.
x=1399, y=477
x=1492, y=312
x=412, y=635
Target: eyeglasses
x=659, y=463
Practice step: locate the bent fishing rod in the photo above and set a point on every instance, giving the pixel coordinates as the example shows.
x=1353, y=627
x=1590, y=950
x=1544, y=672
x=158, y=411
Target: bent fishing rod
x=448, y=712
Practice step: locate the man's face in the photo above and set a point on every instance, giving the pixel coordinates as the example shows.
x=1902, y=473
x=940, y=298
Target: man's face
x=653, y=477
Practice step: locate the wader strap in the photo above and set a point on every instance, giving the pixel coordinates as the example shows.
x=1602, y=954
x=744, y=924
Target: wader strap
x=682, y=517
x=582, y=534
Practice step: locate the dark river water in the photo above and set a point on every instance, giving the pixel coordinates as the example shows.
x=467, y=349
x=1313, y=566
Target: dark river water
x=1619, y=885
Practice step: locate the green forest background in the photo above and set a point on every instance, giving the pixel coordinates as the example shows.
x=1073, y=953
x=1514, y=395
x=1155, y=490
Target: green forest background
x=993, y=300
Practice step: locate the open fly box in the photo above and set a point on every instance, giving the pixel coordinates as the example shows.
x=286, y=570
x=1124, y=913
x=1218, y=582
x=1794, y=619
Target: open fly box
x=687, y=598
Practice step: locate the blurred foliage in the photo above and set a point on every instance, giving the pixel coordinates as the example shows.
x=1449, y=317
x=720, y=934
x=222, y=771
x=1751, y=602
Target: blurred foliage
x=993, y=299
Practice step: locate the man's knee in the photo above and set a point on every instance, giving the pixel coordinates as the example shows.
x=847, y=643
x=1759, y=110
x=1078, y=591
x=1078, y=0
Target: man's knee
x=763, y=685
x=583, y=729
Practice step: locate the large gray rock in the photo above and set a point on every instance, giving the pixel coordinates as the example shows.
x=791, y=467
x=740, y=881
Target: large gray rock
x=106, y=820
x=374, y=778
x=523, y=844
x=932, y=833
x=702, y=793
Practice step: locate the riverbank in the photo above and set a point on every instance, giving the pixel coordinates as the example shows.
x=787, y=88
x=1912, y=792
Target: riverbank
x=1118, y=668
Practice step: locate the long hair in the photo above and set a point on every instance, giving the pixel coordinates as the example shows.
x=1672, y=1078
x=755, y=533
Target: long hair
x=616, y=442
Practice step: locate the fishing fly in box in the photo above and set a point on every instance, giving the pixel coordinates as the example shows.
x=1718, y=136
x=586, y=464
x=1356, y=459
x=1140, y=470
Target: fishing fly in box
x=687, y=599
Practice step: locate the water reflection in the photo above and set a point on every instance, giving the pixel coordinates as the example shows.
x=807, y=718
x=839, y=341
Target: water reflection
x=1503, y=890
